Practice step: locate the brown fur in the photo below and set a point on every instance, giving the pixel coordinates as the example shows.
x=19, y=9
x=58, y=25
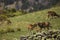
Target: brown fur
x=44, y=25
x=52, y=14
x=31, y=26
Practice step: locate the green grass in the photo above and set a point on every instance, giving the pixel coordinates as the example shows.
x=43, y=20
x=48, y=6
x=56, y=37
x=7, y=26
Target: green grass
x=22, y=22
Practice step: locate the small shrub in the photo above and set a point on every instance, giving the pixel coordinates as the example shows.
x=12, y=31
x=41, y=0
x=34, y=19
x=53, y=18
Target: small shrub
x=3, y=31
x=18, y=29
x=13, y=10
x=9, y=22
x=10, y=30
x=11, y=15
x=3, y=17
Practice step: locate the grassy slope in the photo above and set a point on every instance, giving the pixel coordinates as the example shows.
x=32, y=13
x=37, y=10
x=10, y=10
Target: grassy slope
x=24, y=20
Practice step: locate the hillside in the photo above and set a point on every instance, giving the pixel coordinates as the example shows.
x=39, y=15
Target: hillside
x=23, y=21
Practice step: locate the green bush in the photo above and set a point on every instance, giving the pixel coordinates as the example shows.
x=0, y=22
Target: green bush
x=13, y=10
x=3, y=31
x=10, y=12
x=3, y=17
x=18, y=29
x=10, y=30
